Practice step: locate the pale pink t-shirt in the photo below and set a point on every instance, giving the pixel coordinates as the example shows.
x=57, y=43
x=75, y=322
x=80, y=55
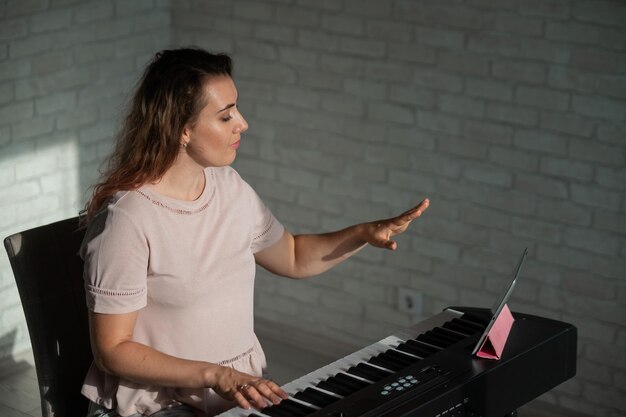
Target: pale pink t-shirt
x=188, y=268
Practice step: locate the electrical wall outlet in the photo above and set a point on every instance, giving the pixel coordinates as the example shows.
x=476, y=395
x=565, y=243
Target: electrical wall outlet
x=410, y=301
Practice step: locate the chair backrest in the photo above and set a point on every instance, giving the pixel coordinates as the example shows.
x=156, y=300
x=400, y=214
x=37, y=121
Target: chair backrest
x=48, y=273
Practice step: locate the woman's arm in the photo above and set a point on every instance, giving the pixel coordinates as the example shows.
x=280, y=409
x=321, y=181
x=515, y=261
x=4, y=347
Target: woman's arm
x=116, y=353
x=303, y=256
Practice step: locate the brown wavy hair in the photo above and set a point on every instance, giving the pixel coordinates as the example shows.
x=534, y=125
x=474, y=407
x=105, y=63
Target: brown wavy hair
x=168, y=97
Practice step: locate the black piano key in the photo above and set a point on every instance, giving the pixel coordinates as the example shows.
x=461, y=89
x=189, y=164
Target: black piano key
x=432, y=339
x=427, y=349
x=449, y=332
x=401, y=356
x=446, y=334
x=275, y=411
x=294, y=405
x=477, y=327
x=430, y=335
x=368, y=372
x=316, y=397
x=414, y=350
x=337, y=388
x=386, y=363
x=400, y=361
x=393, y=355
x=350, y=380
x=477, y=318
x=457, y=327
x=294, y=408
x=350, y=384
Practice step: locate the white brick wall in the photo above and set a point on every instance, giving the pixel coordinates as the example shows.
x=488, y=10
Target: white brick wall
x=509, y=115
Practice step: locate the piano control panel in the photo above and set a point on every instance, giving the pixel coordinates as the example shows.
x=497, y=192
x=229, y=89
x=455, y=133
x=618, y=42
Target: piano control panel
x=404, y=383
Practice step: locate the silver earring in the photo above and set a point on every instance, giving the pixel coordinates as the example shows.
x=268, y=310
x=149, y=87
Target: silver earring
x=185, y=145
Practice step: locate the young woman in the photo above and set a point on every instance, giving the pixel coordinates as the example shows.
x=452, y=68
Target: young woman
x=174, y=234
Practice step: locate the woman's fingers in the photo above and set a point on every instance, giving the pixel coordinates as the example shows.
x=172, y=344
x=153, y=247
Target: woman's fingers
x=416, y=211
x=253, y=394
x=270, y=391
x=261, y=393
x=403, y=220
x=241, y=400
x=381, y=231
x=247, y=394
x=278, y=390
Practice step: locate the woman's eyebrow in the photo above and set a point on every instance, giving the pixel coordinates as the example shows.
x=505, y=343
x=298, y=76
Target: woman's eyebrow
x=226, y=108
x=230, y=105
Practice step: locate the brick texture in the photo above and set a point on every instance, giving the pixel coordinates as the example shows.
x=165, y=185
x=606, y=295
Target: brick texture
x=65, y=75
x=508, y=115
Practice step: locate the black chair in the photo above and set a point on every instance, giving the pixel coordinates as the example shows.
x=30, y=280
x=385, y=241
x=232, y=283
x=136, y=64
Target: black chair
x=48, y=273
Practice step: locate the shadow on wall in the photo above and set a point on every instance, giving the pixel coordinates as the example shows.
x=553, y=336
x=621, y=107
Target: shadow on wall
x=9, y=364
x=47, y=175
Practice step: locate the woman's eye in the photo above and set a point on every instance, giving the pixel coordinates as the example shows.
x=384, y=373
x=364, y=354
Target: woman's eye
x=227, y=118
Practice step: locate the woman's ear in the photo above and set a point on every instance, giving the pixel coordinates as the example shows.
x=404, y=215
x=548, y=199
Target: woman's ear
x=185, y=137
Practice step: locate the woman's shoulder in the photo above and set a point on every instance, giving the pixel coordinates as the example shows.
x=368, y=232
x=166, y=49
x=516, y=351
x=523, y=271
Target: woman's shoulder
x=225, y=173
x=130, y=201
x=230, y=178
x=121, y=215
x=133, y=205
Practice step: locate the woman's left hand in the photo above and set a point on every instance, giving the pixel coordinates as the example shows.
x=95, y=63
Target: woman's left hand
x=379, y=233
x=306, y=255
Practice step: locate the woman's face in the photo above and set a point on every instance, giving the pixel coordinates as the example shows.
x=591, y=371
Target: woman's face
x=215, y=137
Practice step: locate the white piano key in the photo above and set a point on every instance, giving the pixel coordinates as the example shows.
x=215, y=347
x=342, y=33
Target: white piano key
x=360, y=378
x=408, y=354
x=342, y=364
x=305, y=403
x=240, y=412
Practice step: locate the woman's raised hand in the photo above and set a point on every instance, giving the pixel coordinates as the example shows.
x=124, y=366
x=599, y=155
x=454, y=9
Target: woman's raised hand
x=379, y=233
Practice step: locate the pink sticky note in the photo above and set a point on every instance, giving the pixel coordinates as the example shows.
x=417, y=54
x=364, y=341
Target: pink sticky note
x=496, y=338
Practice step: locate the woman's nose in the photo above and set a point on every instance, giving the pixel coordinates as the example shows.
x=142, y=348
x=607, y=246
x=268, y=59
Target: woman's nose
x=243, y=124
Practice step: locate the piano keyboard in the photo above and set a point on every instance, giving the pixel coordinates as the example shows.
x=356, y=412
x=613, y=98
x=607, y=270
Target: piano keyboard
x=365, y=367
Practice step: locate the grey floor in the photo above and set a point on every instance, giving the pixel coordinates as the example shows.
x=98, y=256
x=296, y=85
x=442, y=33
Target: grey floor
x=19, y=395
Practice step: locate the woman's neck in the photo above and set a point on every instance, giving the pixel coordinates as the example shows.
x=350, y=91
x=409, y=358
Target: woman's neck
x=182, y=181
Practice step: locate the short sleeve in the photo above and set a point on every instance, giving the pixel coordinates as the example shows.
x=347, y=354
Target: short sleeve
x=116, y=263
x=267, y=229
